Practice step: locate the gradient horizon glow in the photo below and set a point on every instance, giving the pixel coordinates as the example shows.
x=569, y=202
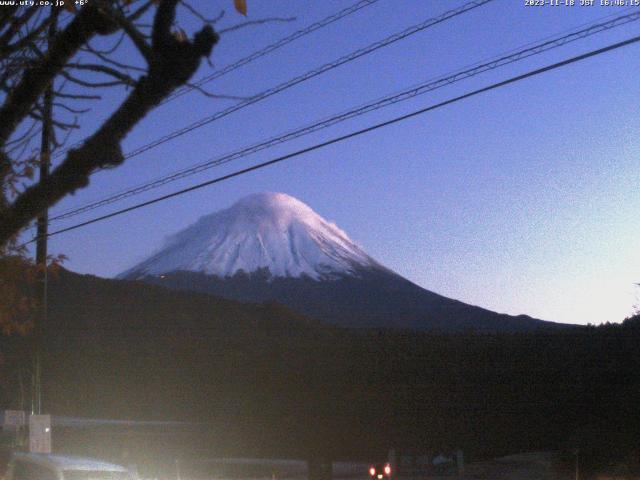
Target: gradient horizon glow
x=521, y=200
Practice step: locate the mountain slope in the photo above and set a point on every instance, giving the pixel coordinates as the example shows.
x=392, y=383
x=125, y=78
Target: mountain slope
x=270, y=246
x=266, y=230
x=370, y=299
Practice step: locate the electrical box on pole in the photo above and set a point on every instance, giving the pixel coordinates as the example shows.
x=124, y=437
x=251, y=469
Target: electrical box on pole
x=40, y=433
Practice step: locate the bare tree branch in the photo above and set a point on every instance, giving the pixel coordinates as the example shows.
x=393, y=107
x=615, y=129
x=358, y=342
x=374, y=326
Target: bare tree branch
x=6, y=13
x=93, y=67
x=13, y=29
x=88, y=22
x=172, y=63
x=141, y=11
x=7, y=49
x=206, y=93
x=161, y=37
x=134, y=34
x=109, y=50
x=90, y=84
x=70, y=109
x=77, y=96
x=28, y=132
x=64, y=125
x=199, y=16
x=113, y=62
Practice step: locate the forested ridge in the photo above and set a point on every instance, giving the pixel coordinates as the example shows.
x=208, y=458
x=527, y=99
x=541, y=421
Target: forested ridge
x=278, y=383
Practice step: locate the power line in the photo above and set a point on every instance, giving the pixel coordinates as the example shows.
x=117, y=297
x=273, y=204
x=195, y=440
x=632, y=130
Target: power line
x=356, y=133
x=259, y=54
x=270, y=48
x=406, y=94
x=310, y=74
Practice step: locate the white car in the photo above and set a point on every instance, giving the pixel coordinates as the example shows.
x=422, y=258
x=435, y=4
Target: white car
x=36, y=466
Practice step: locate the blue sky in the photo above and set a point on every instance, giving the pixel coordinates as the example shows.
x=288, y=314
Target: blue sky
x=521, y=200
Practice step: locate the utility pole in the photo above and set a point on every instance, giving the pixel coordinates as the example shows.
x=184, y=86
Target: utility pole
x=42, y=235
x=178, y=474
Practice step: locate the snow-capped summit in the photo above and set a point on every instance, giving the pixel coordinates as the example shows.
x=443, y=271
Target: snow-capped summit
x=271, y=231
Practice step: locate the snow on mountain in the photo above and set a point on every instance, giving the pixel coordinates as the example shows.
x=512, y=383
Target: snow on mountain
x=265, y=230
x=282, y=243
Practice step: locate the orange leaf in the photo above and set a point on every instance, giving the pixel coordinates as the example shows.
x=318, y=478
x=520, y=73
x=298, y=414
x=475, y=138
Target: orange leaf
x=241, y=6
x=180, y=35
x=69, y=6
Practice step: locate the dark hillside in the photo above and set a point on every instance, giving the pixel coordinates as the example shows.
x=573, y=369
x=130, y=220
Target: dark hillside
x=269, y=381
x=374, y=298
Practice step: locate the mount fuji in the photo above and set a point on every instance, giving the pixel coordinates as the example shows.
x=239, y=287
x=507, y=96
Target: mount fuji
x=273, y=247
x=271, y=231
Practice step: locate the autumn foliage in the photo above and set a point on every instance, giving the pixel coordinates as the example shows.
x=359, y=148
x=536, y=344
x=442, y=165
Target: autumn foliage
x=19, y=302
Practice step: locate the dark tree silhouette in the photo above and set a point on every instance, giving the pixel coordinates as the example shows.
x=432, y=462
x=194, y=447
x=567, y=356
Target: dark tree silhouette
x=33, y=59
